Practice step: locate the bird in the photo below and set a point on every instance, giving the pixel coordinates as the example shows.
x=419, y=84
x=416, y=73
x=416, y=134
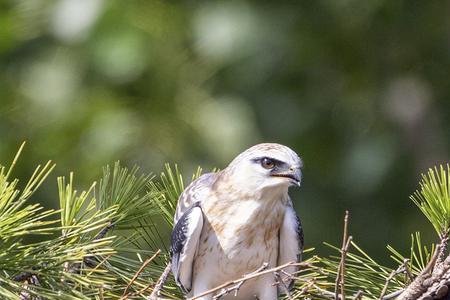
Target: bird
x=230, y=223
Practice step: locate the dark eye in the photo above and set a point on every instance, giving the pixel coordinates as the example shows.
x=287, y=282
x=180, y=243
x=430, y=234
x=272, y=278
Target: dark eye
x=267, y=163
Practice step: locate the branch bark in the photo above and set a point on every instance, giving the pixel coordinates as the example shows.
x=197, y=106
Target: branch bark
x=159, y=285
x=149, y=260
x=430, y=279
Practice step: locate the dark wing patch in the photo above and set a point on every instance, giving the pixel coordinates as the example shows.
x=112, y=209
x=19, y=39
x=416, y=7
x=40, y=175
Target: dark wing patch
x=178, y=235
x=183, y=245
x=291, y=242
x=300, y=237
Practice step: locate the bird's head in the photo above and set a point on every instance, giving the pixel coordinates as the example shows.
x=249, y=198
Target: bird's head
x=265, y=166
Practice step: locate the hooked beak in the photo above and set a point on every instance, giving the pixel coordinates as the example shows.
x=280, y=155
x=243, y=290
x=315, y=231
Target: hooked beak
x=294, y=175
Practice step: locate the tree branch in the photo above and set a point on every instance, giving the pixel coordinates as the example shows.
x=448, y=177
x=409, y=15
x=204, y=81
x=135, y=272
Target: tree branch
x=400, y=269
x=159, y=285
x=125, y=292
x=358, y=295
x=280, y=281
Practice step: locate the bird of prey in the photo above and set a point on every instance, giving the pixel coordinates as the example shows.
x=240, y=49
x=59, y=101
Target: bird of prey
x=229, y=223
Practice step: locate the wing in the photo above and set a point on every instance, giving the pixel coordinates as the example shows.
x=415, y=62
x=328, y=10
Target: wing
x=291, y=241
x=195, y=192
x=184, y=243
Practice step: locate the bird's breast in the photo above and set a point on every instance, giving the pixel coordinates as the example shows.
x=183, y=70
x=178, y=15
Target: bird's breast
x=243, y=235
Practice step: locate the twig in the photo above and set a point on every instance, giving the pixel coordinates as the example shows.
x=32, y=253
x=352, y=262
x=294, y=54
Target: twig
x=141, y=291
x=358, y=295
x=100, y=264
x=160, y=283
x=306, y=288
x=125, y=292
x=391, y=276
x=237, y=286
x=393, y=294
x=248, y=277
x=324, y=292
x=78, y=267
x=311, y=283
x=340, y=278
x=289, y=275
x=409, y=275
x=280, y=281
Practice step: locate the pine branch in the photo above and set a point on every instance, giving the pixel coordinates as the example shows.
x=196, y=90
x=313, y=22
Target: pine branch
x=433, y=198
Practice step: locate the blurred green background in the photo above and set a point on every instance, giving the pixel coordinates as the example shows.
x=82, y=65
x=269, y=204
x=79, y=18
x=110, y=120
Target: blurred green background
x=360, y=89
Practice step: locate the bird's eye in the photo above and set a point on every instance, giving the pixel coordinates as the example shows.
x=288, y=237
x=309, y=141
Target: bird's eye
x=267, y=163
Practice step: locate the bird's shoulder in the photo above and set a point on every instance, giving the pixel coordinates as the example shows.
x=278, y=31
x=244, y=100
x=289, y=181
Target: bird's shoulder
x=196, y=191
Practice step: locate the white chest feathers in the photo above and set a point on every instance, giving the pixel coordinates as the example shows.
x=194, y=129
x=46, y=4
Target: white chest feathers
x=238, y=238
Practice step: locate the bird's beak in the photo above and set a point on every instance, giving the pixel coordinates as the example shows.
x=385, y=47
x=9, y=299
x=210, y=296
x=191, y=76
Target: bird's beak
x=294, y=174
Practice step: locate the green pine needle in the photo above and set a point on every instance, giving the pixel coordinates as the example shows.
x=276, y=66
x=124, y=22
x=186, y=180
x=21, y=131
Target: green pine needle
x=126, y=189
x=433, y=198
x=361, y=273
x=419, y=255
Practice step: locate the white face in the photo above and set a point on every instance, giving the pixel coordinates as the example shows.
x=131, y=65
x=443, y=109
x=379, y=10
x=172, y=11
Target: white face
x=266, y=166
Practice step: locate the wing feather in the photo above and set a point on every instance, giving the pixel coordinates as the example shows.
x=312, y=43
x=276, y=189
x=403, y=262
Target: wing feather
x=188, y=222
x=291, y=241
x=184, y=243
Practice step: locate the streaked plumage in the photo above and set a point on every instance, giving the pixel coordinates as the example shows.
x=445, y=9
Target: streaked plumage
x=231, y=222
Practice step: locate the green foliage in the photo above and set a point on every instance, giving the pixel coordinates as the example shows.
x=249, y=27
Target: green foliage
x=17, y=218
x=363, y=273
x=433, y=198
x=76, y=209
x=46, y=259
x=419, y=255
x=78, y=258
x=169, y=188
x=126, y=190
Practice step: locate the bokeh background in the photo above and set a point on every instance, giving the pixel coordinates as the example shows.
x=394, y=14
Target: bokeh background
x=359, y=88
